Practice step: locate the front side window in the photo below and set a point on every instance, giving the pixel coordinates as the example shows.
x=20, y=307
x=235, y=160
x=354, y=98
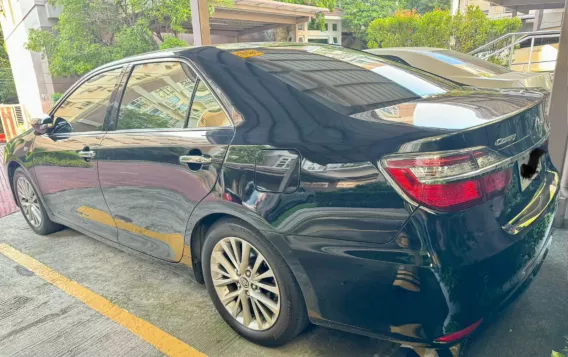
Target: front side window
x=157, y=96
x=206, y=112
x=334, y=27
x=85, y=109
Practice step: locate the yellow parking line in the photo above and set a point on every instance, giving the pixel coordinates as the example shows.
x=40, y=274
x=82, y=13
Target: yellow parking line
x=167, y=344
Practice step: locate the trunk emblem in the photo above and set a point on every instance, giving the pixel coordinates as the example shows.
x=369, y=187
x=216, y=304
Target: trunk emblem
x=505, y=140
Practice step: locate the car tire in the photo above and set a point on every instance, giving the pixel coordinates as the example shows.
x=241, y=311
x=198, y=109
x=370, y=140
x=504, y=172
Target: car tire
x=31, y=206
x=264, y=326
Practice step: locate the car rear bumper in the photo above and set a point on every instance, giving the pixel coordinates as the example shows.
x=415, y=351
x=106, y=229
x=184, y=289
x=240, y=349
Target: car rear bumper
x=400, y=290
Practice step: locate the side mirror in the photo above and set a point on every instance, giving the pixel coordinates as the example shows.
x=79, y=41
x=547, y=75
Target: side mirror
x=41, y=124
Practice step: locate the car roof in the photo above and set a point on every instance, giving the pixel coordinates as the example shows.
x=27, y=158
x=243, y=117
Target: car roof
x=181, y=51
x=406, y=49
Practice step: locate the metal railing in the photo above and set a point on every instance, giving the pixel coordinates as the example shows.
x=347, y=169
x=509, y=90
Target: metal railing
x=506, y=44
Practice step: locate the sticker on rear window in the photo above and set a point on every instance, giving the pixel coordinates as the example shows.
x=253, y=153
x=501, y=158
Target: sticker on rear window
x=247, y=53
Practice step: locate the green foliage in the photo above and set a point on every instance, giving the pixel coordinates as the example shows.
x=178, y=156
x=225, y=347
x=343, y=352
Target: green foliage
x=133, y=119
x=93, y=32
x=463, y=32
x=564, y=350
x=329, y=4
x=358, y=14
x=172, y=42
x=7, y=86
x=56, y=96
x=424, y=6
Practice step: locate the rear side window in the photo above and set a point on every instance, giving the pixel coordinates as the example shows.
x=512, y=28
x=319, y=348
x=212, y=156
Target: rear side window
x=205, y=110
x=85, y=109
x=157, y=96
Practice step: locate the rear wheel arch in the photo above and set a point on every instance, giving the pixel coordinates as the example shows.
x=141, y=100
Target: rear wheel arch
x=12, y=167
x=199, y=232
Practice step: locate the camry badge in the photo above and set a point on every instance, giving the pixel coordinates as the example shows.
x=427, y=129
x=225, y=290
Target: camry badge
x=505, y=140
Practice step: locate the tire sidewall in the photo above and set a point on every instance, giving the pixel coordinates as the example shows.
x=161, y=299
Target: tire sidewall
x=272, y=335
x=44, y=221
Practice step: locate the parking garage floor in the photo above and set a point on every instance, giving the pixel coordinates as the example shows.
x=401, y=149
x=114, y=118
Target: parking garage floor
x=71, y=295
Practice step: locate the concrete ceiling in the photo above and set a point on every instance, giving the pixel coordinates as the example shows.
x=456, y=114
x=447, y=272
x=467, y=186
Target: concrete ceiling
x=526, y=5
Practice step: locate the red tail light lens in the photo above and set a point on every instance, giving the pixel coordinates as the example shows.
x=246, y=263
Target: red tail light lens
x=449, y=181
x=459, y=334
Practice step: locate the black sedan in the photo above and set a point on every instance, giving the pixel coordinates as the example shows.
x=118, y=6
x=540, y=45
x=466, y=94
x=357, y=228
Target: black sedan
x=303, y=183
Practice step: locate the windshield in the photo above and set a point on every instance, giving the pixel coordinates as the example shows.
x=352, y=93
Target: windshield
x=345, y=80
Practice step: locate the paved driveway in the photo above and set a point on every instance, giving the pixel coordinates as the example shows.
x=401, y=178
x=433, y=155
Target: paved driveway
x=68, y=294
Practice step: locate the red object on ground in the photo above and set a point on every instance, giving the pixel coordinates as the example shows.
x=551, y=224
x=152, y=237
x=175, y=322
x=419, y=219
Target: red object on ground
x=7, y=204
x=2, y=138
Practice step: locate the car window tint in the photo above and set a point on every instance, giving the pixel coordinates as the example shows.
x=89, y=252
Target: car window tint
x=85, y=109
x=348, y=81
x=206, y=111
x=157, y=96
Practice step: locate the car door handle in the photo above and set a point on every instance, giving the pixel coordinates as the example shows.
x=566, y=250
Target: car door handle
x=195, y=159
x=87, y=154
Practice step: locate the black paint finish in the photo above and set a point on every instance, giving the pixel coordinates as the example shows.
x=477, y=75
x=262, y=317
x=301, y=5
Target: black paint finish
x=306, y=175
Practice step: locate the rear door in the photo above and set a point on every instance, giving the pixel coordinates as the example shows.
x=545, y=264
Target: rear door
x=164, y=156
x=65, y=158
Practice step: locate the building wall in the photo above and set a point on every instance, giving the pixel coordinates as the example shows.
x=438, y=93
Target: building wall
x=33, y=81
x=331, y=35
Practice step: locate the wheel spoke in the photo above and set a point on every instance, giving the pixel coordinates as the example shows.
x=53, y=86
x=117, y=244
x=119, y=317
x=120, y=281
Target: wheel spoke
x=256, y=311
x=247, y=317
x=230, y=296
x=21, y=192
x=219, y=271
x=272, y=289
x=220, y=259
x=259, y=260
x=229, y=251
x=245, y=256
x=266, y=274
x=266, y=302
x=236, y=311
x=222, y=282
x=265, y=313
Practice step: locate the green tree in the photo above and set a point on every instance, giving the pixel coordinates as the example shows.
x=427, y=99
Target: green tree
x=7, y=86
x=358, y=14
x=172, y=42
x=134, y=119
x=424, y=6
x=93, y=32
x=462, y=32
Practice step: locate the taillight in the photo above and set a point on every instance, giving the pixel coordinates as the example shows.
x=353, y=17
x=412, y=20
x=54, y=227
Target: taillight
x=449, y=181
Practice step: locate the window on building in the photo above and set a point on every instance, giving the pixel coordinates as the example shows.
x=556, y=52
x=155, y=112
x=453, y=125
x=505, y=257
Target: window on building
x=335, y=40
x=86, y=108
x=300, y=39
x=334, y=27
x=206, y=111
x=158, y=95
x=326, y=27
x=301, y=27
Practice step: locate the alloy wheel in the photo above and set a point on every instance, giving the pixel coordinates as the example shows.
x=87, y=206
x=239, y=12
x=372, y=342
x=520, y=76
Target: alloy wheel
x=29, y=203
x=245, y=283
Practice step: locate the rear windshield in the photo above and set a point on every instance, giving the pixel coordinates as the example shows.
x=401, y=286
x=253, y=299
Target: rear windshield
x=346, y=80
x=469, y=63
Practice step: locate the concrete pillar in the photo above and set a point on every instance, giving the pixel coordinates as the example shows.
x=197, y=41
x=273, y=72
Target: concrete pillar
x=537, y=19
x=295, y=33
x=200, y=22
x=558, y=114
x=455, y=6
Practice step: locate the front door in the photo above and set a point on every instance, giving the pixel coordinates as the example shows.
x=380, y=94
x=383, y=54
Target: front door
x=161, y=160
x=65, y=158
